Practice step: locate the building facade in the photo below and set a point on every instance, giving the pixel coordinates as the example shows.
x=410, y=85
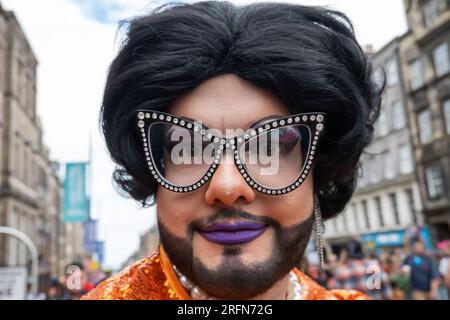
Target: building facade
x=387, y=199
x=405, y=172
x=30, y=190
x=425, y=57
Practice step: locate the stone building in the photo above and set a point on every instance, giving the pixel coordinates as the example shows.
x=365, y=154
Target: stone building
x=387, y=199
x=30, y=189
x=425, y=59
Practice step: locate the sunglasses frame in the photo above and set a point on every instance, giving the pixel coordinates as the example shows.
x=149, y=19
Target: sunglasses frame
x=315, y=121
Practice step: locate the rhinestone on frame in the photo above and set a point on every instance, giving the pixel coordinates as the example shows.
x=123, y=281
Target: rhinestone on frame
x=198, y=294
x=141, y=115
x=319, y=127
x=289, y=121
x=161, y=117
x=154, y=115
x=313, y=118
x=147, y=115
x=141, y=124
x=297, y=119
x=319, y=118
x=305, y=118
x=182, y=123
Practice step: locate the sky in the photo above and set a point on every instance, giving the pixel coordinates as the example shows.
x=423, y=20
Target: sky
x=75, y=41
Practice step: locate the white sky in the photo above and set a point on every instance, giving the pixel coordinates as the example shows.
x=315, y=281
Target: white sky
x=75, y=44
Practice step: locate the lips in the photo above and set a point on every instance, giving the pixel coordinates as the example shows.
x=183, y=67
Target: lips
x=233, y=233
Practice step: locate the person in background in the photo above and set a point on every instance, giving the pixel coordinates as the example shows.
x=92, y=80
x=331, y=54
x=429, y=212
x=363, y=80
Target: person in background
x=444, y=270
x=423, y=277
x=399, y=278
x=55, y=290
x=364, y=275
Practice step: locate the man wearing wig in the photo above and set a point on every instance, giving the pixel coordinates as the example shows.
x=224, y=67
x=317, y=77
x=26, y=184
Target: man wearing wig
x=244, y=125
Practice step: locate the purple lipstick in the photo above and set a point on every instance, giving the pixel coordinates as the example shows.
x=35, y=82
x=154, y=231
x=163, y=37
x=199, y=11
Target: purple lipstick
x=233, y=233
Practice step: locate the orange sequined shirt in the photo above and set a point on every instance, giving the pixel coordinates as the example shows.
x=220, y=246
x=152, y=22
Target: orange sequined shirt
x=153, y=278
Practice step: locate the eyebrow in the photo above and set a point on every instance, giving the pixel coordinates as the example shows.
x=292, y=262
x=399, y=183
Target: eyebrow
x=253, y=124
x=263, y=120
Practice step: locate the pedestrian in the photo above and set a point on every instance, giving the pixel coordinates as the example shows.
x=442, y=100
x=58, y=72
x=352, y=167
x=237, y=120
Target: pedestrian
x=423, y=277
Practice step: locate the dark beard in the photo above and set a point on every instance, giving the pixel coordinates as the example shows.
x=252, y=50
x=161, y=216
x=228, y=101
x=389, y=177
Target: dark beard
x=233, y=279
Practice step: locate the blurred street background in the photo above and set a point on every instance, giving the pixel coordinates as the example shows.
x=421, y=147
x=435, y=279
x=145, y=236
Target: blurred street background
x=63, y=227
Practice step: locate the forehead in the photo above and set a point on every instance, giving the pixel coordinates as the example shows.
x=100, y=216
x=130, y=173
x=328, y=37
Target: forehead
x=226, y=102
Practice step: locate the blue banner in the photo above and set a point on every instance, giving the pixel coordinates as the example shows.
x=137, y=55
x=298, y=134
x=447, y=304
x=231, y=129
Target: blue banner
x=76, y=200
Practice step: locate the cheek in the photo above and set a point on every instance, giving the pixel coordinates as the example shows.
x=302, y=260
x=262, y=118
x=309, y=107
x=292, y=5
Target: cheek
x=294, y=207
x=175, y=210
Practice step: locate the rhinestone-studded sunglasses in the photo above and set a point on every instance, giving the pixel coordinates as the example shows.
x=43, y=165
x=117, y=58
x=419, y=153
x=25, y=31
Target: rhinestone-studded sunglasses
x=274, y=157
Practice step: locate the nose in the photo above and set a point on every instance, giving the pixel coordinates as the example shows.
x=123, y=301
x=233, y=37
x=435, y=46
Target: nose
x=227, y=186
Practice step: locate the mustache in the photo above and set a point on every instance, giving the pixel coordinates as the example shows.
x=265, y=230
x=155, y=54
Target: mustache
x=231, y=213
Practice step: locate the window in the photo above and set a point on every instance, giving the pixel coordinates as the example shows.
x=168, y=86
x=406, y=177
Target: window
x=425, y=131
x=412, y=205
x=379, y=76
x=383, y=126
x=388, y=163
x=25, y=164
x=392, y=72
x=417, y=74
x=398, y=115
x=18, y=156
x=435, y=183
x=362, y=176
x=345, y=222
x=393, y=198
x=379, y=211
x=447, y=114
x=12, y=241
x=375, y=170
x=406, y=162
x=366, y=213
x=430, y=12
x=441, y=59
x=22, y=252
x=355, y=216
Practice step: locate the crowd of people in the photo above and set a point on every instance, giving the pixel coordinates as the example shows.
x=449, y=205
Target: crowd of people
x=395, y=274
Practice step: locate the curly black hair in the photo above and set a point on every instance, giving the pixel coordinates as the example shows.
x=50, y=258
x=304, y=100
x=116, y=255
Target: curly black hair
x=307, y=56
